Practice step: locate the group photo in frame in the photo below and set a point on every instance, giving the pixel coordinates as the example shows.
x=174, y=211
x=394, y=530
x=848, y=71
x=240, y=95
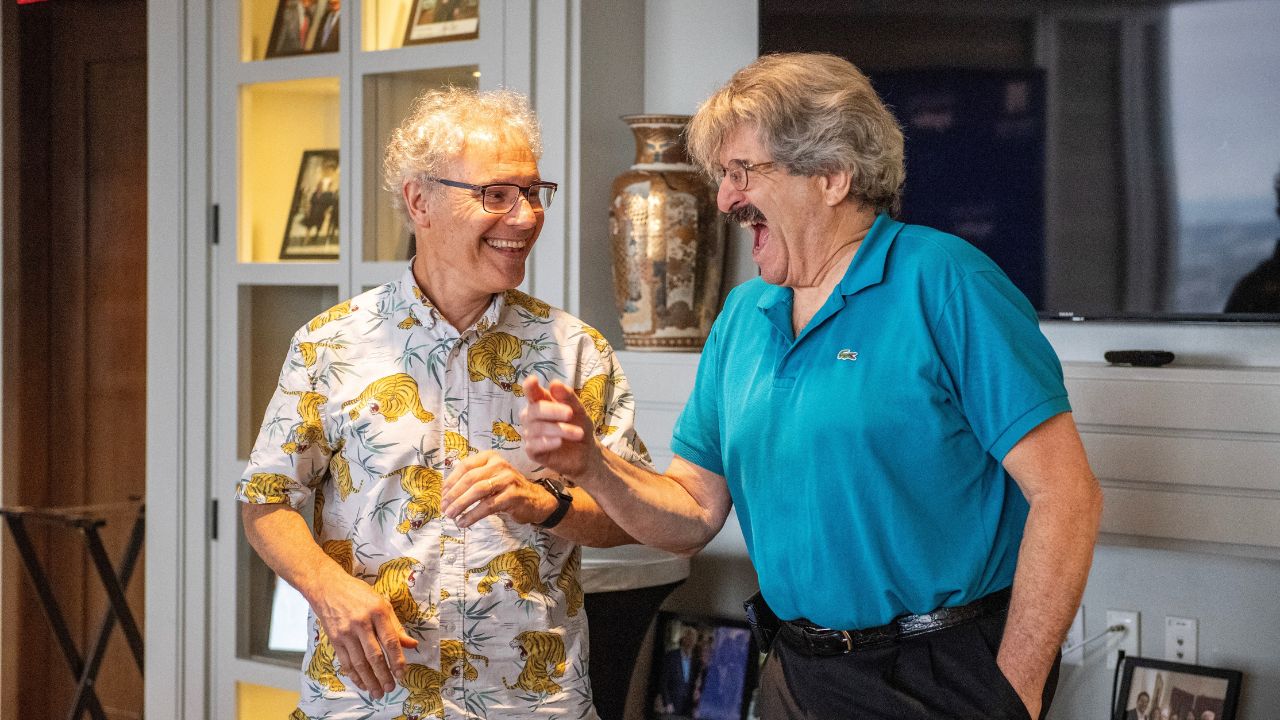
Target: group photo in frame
x=703, y=668
x=1166, y=690
x=311, y=230
x=305, y=26
x=441, y=20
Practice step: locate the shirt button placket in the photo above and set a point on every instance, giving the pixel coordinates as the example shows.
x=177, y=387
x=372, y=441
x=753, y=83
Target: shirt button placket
x=455, y=555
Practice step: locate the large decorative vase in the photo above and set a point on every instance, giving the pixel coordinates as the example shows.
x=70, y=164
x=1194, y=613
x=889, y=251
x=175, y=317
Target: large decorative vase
x=668, y=241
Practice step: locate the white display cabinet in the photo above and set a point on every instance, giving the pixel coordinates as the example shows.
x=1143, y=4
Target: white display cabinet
x=266, y=184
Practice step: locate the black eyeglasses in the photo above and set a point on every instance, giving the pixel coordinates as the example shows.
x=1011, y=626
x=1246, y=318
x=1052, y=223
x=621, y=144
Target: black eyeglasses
x=739, y=173
x=499, y=198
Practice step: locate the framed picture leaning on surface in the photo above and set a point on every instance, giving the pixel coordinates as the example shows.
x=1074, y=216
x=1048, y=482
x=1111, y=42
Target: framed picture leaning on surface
x=311, y=230
x=441, y=20
x=1165, y=690
x=304, y=26
x=703, y=668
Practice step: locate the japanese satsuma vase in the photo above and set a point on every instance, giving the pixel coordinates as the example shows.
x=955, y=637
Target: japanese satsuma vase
x=668, y=241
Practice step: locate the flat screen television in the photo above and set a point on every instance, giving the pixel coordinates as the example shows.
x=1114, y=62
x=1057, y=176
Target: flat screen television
x=1120, y=160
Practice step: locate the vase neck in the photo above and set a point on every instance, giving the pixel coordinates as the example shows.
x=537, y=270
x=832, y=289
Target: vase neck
x=659, y=143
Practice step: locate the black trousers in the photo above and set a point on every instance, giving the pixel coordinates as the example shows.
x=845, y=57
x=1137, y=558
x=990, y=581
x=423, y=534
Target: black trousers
x=617, y=623
x=950, y=673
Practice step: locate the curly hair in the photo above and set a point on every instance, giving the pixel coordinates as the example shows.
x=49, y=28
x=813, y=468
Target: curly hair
x=440, y=124
x=816, y=113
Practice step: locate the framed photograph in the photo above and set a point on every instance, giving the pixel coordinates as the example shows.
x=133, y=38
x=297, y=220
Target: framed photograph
x=1164, y=690
x=703, y=668
x=441, y=20
x=304, y=26
x=311, y=231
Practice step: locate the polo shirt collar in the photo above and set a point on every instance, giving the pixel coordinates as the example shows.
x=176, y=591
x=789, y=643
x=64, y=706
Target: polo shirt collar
x=866, y=268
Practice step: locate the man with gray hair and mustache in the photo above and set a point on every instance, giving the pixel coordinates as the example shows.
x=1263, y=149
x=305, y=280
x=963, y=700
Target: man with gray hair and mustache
x=884, y=413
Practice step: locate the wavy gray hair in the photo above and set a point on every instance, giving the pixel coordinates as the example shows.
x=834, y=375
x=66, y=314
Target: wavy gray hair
x=816, y=113
x=438, y=127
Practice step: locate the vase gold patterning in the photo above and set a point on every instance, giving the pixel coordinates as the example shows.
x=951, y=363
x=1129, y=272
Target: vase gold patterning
x=668, y=241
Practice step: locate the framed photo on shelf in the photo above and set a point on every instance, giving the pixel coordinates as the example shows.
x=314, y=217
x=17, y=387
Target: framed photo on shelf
x=704, y=668
x=304, y=26
x=311, y=230
x=1165, y=690
x=441, y=20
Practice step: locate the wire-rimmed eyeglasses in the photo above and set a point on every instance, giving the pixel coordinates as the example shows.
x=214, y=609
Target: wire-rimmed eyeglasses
x=499, y=198
x=739, y=172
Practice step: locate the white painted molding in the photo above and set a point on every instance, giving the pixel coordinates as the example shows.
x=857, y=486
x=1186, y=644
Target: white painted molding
x=1189, y=458
x=165, y=690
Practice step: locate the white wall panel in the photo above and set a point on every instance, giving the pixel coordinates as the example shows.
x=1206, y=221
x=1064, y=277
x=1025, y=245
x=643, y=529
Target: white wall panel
x=1184, y=454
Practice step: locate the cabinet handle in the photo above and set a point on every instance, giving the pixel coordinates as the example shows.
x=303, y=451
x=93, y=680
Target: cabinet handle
x=213, y=224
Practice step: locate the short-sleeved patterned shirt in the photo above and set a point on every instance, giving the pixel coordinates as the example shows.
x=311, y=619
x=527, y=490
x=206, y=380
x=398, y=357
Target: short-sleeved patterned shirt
x=379, y=397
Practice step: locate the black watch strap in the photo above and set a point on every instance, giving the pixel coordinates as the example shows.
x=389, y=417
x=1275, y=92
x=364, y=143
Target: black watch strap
x=563, y=499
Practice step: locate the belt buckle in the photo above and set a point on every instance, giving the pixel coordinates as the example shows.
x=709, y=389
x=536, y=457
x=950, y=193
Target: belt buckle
x=848, y=641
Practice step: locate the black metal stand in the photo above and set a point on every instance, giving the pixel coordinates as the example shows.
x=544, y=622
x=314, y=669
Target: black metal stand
x=87, y=519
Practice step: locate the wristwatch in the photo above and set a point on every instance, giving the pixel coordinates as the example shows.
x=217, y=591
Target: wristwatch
x=563, y=497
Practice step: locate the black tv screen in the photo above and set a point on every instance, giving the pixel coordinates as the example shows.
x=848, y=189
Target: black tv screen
x=1118, y=160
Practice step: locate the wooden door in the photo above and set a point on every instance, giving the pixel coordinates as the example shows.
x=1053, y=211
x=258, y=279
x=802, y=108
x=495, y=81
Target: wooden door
x=75, y=325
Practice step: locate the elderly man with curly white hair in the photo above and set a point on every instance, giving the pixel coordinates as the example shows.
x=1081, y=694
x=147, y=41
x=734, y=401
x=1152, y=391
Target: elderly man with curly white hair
x=441, y=565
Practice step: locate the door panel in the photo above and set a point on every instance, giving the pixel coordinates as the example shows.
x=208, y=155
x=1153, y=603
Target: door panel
x=79, y=378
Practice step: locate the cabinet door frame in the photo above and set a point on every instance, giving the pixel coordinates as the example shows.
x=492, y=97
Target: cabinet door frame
x=178, y=517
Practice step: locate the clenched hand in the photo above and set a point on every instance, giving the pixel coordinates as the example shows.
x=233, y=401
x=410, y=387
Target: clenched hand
x=484, y=484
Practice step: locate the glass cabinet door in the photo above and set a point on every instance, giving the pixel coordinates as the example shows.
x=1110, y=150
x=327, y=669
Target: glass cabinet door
x=387, y=100
x=290, y=177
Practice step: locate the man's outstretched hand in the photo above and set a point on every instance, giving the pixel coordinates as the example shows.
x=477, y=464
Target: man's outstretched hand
x=557, y=431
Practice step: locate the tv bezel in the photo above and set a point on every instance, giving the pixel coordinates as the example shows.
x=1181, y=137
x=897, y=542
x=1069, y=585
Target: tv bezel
x=1217, y=318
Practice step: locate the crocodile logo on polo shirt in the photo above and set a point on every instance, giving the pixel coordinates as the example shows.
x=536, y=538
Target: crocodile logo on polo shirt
x=847, y=354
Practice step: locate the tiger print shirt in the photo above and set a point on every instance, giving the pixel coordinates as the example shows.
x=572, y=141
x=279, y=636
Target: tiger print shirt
x=378, y=398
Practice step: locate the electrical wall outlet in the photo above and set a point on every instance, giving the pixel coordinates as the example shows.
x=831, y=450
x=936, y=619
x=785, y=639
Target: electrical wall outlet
x=1075, y=639
x=1180, y=639
x=1126, y=640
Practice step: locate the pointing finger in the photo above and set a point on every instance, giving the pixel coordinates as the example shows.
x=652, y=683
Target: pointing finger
x=561, y=392
x=533, y=389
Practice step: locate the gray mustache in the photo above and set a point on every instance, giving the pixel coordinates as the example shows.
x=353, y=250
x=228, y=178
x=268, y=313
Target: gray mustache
x=747, y=214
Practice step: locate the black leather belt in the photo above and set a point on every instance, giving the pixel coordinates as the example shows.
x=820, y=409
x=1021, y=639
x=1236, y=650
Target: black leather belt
x=817, y=640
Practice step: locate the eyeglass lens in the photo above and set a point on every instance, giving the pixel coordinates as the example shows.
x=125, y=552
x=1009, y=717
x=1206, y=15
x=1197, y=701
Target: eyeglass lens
x=737, y=174
x=501, y=198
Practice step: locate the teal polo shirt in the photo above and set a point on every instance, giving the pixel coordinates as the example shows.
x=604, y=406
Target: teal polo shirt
x=863, y=456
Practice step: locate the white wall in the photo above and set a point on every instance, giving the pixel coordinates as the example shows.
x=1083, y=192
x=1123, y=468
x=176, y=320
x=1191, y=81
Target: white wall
x=607, y=84
x=693, y=48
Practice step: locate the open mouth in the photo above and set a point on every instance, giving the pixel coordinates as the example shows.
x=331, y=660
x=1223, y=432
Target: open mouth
x=760, y=236
x=749, y=216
